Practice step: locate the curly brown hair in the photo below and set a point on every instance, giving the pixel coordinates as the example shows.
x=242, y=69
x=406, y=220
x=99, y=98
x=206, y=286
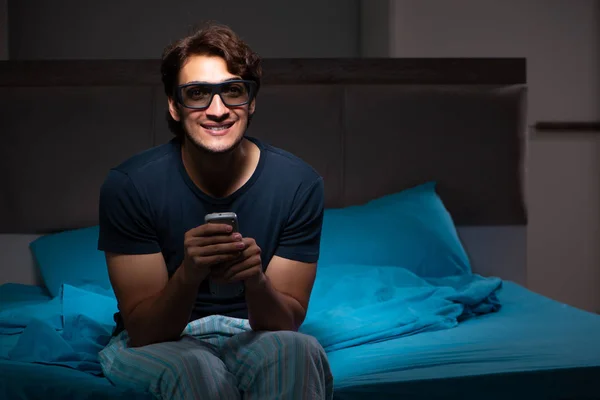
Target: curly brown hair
x=214, y=40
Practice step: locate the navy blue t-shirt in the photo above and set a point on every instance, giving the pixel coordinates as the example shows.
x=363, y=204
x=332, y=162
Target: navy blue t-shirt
x=149, y=202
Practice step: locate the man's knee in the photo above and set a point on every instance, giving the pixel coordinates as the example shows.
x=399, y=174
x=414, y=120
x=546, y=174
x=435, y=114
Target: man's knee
x=296, y=358
x=176, y=369
x=249, y=349
x=299, y=342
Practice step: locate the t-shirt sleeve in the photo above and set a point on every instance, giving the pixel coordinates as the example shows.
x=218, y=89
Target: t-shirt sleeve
x=301, y=236
x=124, y=217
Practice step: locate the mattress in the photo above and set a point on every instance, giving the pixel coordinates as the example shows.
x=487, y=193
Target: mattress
x=533, y=347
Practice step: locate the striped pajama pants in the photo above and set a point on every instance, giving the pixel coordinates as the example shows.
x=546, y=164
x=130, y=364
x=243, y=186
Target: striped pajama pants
x=220, y=357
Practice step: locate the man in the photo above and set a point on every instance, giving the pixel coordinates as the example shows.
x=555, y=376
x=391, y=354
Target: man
x=178, y=334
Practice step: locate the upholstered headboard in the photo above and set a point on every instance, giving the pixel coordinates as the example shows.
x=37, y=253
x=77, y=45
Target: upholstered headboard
x=370, y=127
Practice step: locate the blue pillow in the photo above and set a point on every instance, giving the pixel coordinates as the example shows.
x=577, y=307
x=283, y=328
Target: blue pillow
x=411, y=229
x=71, y=257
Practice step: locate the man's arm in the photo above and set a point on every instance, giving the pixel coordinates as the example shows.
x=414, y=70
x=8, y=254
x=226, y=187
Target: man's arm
x=154, y=308
x=279, y=298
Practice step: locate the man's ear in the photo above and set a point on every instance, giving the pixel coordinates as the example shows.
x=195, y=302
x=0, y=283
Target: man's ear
x=173, y=109
x=252, y=107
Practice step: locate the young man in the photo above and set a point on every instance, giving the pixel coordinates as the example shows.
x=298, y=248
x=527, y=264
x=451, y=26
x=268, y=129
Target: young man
x=181, y=331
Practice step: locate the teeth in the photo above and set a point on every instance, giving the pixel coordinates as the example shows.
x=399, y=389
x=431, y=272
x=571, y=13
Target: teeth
x=218, y=128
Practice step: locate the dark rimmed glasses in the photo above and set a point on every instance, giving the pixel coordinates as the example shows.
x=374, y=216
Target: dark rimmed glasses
x=198, y=96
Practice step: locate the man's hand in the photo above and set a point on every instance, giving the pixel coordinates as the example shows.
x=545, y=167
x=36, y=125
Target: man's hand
x=247, y=267
x=210, y=245
x=277, y=299
x=156, y=308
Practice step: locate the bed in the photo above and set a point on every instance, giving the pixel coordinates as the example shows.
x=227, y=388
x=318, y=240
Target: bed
x=422, y=283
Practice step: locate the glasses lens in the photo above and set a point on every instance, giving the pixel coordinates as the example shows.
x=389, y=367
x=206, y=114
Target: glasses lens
x=235, y=93
x=196, y=95
x=232, y=94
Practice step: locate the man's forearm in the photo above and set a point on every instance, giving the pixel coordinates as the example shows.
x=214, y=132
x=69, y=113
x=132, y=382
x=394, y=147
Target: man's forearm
x=271, y=310
x=163, y=317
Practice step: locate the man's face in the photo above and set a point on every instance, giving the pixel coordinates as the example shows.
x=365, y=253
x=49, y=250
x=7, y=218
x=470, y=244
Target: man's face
x=218, y=128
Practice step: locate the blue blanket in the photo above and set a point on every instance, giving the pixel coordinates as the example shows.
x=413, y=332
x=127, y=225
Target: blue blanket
x=68, y=330
x=351, y=305
x=357, y=304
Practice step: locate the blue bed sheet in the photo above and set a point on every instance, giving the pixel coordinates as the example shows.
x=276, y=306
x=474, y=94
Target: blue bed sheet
x=70, y=329
x=67, y=330
x=17, y=304
x=396, y=335
x=356, y=304
x=531, y=348
x=22, y=308
x=29, y=381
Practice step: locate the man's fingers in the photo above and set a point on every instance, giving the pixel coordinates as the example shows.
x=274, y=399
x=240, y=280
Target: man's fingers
x=212, y=240
x=246, y=264
x=210, y=229
x=215, y=259
x=241, y=276
x=244, y=254
x=219, y=270
x=223, y=248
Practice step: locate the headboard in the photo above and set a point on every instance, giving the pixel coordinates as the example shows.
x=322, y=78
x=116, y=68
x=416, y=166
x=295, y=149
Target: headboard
x=369, y=126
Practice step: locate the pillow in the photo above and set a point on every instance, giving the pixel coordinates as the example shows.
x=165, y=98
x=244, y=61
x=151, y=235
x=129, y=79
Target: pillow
x=411, y=229
x=71, y=257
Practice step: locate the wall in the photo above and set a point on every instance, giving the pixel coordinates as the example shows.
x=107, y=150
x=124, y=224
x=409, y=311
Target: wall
x=3, y=29
x=374, y=28
x=142, y=28
x=560, y=39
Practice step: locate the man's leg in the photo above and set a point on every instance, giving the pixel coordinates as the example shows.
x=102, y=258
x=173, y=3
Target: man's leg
x=186, y=369
x=279, y=365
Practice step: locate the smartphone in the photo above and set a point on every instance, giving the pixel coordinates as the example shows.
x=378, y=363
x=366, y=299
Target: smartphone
x=228, y=218
x=219, y=289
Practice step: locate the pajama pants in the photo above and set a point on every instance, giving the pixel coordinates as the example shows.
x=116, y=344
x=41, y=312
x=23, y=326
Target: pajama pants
x=220, y=357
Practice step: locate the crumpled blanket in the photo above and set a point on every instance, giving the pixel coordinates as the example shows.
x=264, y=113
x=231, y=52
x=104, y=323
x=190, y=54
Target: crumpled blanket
x=354, y=304
x=350, y=305
x=68, y=330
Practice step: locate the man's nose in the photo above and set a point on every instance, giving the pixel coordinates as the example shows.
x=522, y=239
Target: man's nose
x=217, y=108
